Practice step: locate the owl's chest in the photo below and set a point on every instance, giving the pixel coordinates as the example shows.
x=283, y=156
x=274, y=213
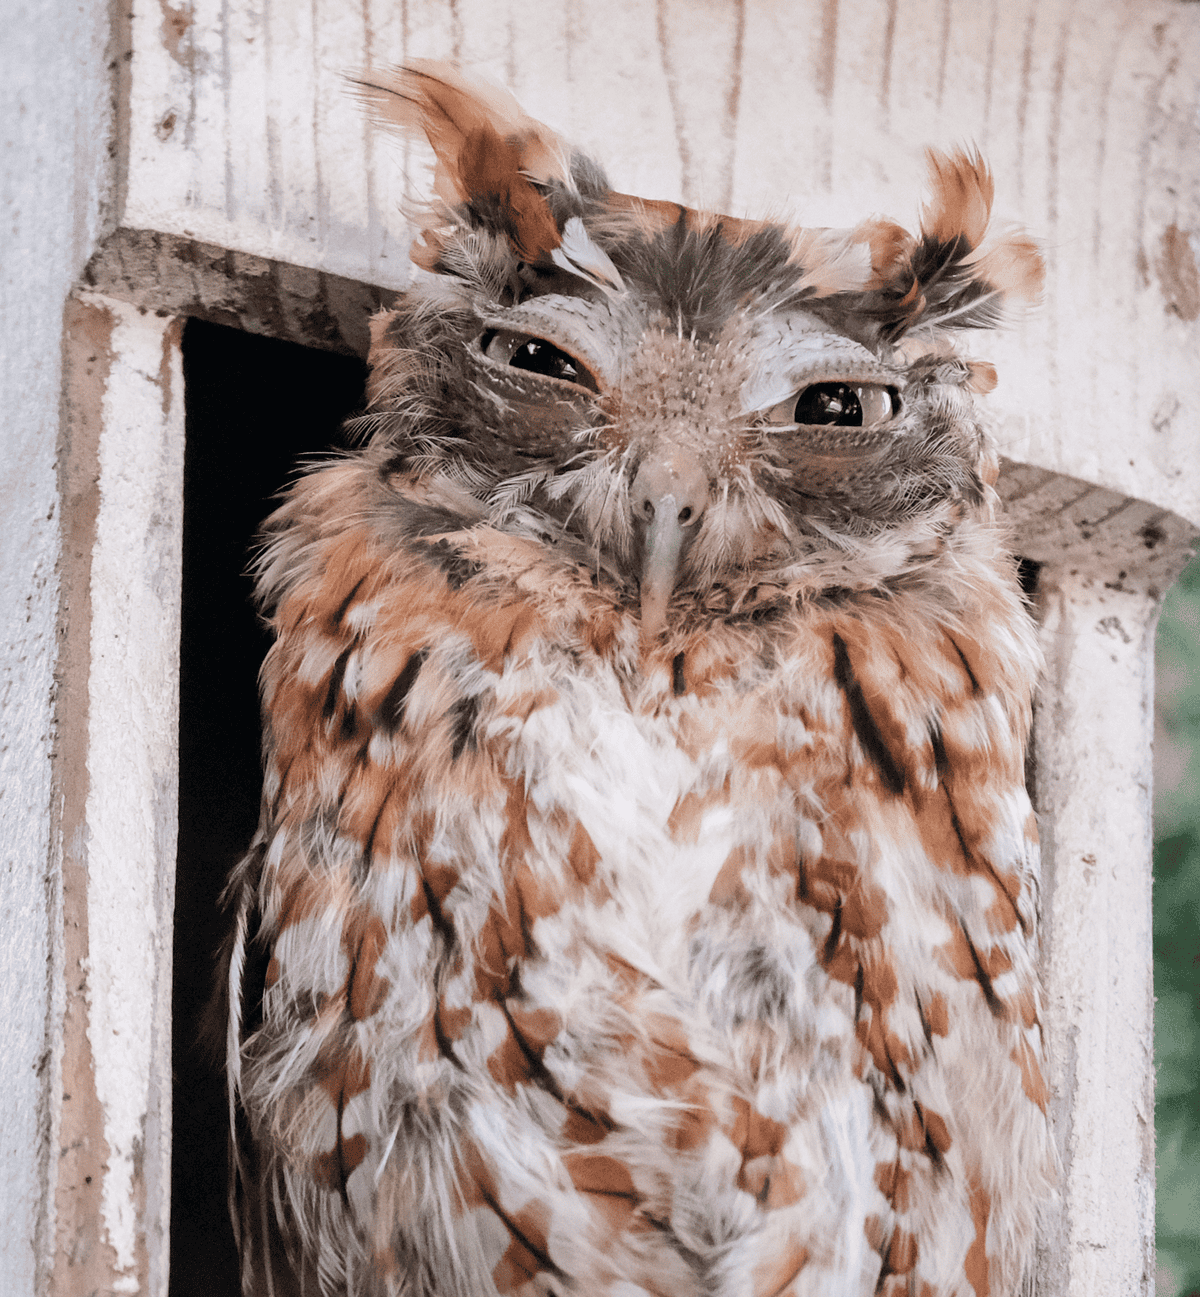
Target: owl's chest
x=645, y=813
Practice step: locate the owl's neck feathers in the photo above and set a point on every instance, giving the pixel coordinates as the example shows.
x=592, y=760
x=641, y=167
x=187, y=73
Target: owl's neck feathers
x=947, y=570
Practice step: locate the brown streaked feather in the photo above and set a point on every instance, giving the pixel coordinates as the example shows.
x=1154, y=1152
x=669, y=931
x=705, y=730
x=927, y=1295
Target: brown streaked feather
x=452, y=109
x=488, y=149
x=960, y=207
x=960, y=198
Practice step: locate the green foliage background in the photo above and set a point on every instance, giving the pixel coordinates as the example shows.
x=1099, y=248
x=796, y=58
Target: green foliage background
x=1177, y=938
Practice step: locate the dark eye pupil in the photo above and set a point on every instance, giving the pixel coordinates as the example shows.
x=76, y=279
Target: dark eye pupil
x=545, y=358
x=835, y=404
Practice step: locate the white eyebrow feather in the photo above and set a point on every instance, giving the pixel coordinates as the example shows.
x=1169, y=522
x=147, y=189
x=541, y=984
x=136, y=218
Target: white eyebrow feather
x=788, y=350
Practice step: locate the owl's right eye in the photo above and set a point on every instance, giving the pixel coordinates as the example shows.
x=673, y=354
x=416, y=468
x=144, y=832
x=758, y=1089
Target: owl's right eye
x=842, y=405
x=537, y=356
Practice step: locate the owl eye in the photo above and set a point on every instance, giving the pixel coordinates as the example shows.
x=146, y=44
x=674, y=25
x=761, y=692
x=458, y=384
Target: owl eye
x=521, y=351
x=841, y=405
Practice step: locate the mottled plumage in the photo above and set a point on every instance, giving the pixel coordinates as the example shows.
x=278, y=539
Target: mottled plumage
x=645, y=898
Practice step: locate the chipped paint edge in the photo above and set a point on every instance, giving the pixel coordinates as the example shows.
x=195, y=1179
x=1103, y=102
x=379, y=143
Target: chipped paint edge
x=119, y=782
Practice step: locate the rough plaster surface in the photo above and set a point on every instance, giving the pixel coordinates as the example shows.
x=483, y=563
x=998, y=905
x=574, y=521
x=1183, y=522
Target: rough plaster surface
x=54, y=123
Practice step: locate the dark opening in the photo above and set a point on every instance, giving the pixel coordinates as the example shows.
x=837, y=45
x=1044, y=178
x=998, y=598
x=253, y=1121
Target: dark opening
x=256, y=409
x=1028, y=571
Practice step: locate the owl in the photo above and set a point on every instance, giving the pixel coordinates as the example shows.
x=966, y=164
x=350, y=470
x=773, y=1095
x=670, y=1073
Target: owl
x=645, y=895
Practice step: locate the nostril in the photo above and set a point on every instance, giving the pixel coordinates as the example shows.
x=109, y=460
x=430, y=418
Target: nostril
x=669, y=486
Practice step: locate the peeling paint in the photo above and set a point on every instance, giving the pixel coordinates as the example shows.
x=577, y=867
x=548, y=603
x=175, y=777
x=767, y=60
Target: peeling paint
x=1178, y=274
x=122, y=484
x=1165, y=412
x=1111, y=626
x=189, y=278
x=175, y=31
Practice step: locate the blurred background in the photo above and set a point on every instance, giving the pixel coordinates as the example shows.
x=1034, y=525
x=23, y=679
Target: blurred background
x=1177, y=937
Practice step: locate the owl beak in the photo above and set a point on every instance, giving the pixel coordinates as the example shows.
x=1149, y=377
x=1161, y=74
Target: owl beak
x=669, y=495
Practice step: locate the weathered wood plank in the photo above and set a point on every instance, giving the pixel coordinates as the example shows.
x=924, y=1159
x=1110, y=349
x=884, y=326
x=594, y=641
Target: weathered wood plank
x=118, y=773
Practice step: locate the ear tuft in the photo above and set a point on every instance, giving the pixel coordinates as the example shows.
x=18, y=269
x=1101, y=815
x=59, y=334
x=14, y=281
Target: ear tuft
x=960, y=206
x=956, y=275
x=960, y=198
x=491, y=156
x=455, y=112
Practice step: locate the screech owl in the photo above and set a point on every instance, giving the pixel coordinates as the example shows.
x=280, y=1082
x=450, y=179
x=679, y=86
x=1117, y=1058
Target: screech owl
x=645, y=895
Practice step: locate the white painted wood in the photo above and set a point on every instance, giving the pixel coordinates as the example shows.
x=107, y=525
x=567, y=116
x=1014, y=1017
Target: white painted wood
x=119, y=778
x=133, y=769
x=1106, y=562
x=1093, y=792
x=243, y=133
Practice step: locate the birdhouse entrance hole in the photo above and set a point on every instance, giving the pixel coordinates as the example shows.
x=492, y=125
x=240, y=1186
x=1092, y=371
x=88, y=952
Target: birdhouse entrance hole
x=256, y=409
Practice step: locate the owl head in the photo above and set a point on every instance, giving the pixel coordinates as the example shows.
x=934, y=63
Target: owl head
x=701, y=402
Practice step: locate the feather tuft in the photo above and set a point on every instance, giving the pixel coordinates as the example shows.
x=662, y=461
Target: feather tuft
x=960, y=198
x=491, y=156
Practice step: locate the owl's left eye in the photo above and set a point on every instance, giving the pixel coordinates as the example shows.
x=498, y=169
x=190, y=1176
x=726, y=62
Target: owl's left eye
x=537, y=356
x=839, y=405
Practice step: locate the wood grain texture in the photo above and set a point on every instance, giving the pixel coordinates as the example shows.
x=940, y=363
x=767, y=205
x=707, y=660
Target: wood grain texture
x=119, y=777
x=1092, y=791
